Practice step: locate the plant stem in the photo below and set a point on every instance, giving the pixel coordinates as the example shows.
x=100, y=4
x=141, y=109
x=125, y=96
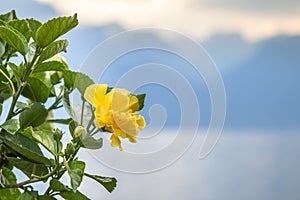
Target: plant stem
x=22, y=86
x=82, y=110
x=33, y=180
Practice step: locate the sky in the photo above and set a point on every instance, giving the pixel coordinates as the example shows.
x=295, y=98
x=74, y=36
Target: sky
x=254, y=19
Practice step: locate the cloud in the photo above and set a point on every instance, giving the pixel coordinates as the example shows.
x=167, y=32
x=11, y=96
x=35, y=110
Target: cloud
x=197, y=20
x=279, y=7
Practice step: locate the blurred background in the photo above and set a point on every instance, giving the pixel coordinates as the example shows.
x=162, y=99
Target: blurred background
x=256, y=47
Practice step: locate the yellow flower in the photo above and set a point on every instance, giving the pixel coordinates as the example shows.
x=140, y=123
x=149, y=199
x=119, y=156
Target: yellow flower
x=116, y=111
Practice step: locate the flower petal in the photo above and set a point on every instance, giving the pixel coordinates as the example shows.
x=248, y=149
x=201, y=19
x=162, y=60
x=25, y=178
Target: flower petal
x=95, y=93
x=100, y=93
x=116, y=142
x=120, y=100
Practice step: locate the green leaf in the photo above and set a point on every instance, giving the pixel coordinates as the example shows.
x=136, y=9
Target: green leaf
x=47, y=140
x=109, y=183
x=2, y=48
x=65, y=191
x=82, y=81
x=89, y=142
x=70, y=195
x=21, y=105
x=28, y=132
x=36, y=90
x=42, y=76
x=54, y=28
x=16, y=72
x=14, y=39
x=60, y=121
x=24, y=146
x=55, y=78
x=57, y=186
x=8, y=16
x=72, y=127
x=22, y=26
x=11, y=126
x=31, y=51
x=53, y=49
x=49, y=66
x=1, y=97
x=33, y=25
x=70, y=149
x=34, y=116
x=46, y=197
x=69, y=78
x=75, y=170
x=1, y=107
x=141, y=98
x=28, y=167
x=26, y=196
x=9, y=178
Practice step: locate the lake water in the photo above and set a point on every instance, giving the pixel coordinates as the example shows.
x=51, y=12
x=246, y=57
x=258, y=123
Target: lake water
x=244, y=165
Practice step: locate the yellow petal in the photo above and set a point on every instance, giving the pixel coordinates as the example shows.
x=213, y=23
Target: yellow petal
x=95, y=93
x=131, y=138
x=100, y=94
x=120, y=100
x=115, y=142
x=140, y=121
x=126, y=123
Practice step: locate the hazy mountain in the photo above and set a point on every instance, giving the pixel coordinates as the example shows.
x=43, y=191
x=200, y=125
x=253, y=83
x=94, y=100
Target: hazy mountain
x=228, y=50
x=264, y=89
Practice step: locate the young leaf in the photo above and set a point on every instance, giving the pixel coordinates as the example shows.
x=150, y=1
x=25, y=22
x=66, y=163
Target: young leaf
x=107, y=182
x=49, y=66
x=25, y=147
x=54, y=28
x=36, y=90
x=9, y=178
x=8, y=16
x=34, y=116
x=14, y=39
x=11, y=126
x=53, y=49
x=75, y=170
x=33, y=25
x=22, y=26
x=47, y=140
x=28, y=132
x=28, y=167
